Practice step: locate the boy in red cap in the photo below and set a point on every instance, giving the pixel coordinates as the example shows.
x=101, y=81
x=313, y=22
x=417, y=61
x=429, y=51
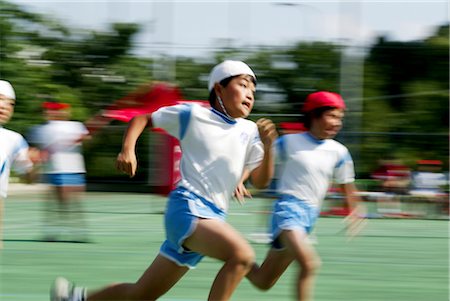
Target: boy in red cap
x=61, y=139
x=308, y=162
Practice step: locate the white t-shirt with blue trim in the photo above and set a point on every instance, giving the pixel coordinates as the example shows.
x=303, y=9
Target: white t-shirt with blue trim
x=62, y=139
x=308, y=166
x=13, y=152
x=215, y=149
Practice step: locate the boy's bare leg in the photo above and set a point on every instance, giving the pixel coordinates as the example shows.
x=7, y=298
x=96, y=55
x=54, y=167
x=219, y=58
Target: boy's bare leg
x=306, y=256
x=277, y=261
x=159, y=277
x=219, y=240
x=273, y=266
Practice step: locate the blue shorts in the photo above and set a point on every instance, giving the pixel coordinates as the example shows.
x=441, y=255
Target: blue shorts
x=66, y=179
x=291, y=213
x=183, y=210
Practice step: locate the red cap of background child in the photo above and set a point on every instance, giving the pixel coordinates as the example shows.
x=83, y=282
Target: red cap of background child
x=323, y=99
x=49, y=105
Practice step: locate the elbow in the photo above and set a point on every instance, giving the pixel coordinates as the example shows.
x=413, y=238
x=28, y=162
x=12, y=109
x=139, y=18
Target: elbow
x=261, y=177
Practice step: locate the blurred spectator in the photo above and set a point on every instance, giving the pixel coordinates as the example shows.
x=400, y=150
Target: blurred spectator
x=428, y=179
x=61, y=140
x=14, y=149
x=394, y=177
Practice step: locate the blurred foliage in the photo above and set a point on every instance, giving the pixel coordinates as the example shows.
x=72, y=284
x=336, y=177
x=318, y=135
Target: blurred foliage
x=405, y=101
x=406, y=92
x=46, y=61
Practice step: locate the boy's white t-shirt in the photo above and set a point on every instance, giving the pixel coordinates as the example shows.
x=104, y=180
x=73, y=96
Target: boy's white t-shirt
x=13, y=153
x=62, y=139
x=215, y=149
x=308, y=166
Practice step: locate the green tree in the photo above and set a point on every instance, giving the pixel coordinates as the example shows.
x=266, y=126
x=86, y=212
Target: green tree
x=406, y=97
x=46, y=61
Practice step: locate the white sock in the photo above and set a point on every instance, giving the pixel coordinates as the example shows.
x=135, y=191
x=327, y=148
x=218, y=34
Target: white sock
x=78, y=294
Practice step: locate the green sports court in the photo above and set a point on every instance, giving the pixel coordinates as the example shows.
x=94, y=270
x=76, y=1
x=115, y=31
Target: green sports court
x=392, y=259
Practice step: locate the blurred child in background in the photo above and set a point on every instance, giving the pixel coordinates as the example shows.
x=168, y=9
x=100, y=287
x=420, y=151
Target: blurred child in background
x=60, y=139
x=428, y=180
x=309, y=162
x=14, y=150
x=217, y=144
x=430, y=184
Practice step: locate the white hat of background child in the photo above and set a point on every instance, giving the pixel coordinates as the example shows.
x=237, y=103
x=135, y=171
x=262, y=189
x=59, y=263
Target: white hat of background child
x=227, y=69
x=7, y=90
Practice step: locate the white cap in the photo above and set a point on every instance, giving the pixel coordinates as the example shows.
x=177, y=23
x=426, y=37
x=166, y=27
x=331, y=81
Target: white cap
x=227, y=69
x=6, y=89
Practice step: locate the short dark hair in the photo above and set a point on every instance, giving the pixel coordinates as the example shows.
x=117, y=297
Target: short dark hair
x=224, y=82
x=316, y=113
x=212, y=95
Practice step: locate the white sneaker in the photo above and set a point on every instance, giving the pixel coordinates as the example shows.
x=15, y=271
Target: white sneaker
x=63, y=290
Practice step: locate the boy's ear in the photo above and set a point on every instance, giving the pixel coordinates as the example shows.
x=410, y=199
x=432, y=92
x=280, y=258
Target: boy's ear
x=218, y=89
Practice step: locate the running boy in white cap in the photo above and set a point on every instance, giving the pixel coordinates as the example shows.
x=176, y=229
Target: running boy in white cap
x=217, y=144
x=14, y=149
x=309, y=162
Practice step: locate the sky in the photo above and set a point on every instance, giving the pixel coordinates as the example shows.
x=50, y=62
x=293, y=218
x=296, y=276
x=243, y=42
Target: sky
x=195, y=28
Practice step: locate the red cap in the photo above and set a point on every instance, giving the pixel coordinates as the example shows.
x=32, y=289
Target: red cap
x=323, y=99
x=293, y=126
x=48, y=105
x=429, y=162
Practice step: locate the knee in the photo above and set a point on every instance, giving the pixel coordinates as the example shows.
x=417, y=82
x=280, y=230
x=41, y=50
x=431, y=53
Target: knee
x=311, y=266
x=244, y=257
x=265, y=284
x=247, y=259
x=261, y=280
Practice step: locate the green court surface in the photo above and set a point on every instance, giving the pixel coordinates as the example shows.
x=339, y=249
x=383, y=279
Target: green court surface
x=393, y=259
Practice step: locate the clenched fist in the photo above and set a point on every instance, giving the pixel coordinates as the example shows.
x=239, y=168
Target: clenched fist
x=127, y=163
x=267, y=131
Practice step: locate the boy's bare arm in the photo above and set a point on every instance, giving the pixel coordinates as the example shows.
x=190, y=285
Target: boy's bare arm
x=356, y=220
x=126, y=159
x=262, y=175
